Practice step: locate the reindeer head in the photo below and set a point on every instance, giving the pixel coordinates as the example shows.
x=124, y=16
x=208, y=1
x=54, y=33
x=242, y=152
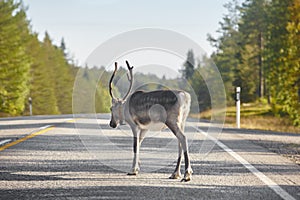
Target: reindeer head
x=117, y=111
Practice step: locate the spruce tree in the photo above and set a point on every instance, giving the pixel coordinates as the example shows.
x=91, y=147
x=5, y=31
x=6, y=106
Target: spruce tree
x=189, y=65
x=14, y=63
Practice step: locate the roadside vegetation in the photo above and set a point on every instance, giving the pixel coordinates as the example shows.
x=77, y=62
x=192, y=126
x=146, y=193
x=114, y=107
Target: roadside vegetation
x=257, y=116
x=257, y=49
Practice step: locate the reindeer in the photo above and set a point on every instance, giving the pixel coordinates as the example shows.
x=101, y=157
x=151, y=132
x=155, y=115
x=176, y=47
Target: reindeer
x=143, y=110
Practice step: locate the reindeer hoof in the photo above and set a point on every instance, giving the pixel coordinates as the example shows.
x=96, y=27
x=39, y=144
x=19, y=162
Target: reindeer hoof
x=175, y=176
x=133, y=173
x=186, y=179
x=187, y=176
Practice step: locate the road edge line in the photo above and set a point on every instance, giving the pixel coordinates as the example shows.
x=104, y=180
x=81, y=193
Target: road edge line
x=266, y=180
x=35, y=133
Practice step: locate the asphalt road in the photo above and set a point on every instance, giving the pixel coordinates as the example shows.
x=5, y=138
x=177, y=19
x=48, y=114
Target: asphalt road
x=58, y=157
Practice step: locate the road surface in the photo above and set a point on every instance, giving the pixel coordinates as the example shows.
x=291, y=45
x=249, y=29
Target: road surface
x=58, y=157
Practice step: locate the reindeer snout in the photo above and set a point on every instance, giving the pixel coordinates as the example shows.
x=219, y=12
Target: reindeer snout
x=112, y=124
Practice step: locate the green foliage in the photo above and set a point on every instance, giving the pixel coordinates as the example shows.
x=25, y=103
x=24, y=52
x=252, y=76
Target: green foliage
x=91, y=91
x=291, y=94
x=51, y=78
x=259, y=51
x=197, y=81
x=42, y=91
x=36, y=69
x=283, y=58
x=253, y=28
x=103, y=100
x=14, y=63
x=228, y=54
x=189, y=66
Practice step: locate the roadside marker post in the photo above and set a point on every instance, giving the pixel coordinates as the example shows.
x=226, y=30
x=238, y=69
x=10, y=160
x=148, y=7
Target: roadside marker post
x=238, y=106
x=30, y=105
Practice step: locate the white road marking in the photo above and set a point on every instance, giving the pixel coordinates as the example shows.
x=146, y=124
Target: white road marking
x=271, y=184
x=45, y=127
x=4, y=141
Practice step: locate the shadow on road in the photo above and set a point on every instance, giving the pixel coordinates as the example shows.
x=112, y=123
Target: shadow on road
x=143, y=192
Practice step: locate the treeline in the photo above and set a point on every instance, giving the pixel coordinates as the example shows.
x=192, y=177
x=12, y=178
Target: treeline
x=36, y=69
x=90, y=92
x=31, y=68
x=44, y=72
x=259, y=50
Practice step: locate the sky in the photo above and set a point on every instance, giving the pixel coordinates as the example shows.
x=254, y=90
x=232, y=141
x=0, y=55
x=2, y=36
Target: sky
x=86, y=24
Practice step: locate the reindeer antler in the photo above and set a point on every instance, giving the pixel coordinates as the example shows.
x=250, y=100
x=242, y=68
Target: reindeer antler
x=111, y=79
x=130, y=79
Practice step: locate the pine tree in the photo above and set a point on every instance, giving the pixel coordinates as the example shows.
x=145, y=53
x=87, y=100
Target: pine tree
x=260, y=53
x=277, y=51
x=14, y=63
x=63, y=81
x=103, y=99
x=199, y=86
x=253, y=27
x=189, y=66
x=63, y=48
x=228, y=54
x=42, y=89
x=291, y=92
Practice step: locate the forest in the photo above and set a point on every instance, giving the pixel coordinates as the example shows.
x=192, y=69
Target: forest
x=257, y=48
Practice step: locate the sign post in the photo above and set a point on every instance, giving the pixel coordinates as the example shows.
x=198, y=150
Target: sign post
x=238, y=106
x=30, y=105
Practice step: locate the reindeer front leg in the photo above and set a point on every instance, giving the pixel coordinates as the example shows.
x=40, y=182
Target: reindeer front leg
x=136, y=151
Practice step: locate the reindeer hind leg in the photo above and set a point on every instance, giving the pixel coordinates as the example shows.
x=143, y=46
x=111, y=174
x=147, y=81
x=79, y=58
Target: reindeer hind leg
x=177, y=174
x=173, y=126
